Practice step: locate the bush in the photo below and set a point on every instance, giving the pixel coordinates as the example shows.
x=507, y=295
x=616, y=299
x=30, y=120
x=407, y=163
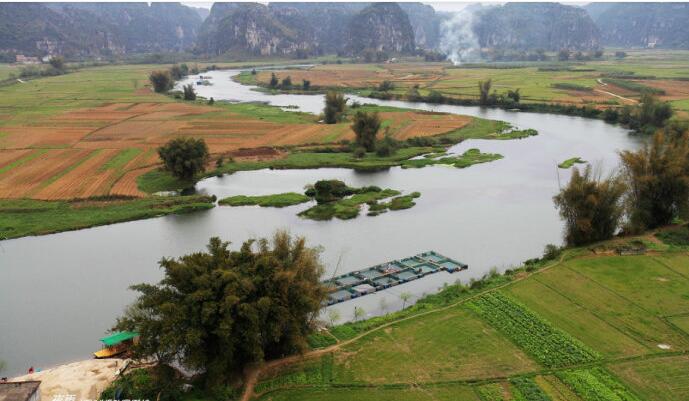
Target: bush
x=184, y=157
x=590, y=207
x=360, y=152
x=365, y=127
x=189, y=92
x=286, y=83
x=161, y=81
x=335, y=105
x=658, y=182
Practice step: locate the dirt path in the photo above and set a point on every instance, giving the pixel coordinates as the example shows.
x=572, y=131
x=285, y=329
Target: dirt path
x=253, y=375
x=617, y=96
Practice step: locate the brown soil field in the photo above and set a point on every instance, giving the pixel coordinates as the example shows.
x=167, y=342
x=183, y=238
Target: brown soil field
x=10, y=156
x=25, y=180
x=674, y=90
x=74, y=147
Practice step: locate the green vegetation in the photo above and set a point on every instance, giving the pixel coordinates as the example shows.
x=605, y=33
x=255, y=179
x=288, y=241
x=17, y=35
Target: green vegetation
x=657, y=177
x=595, y=384
x=634, y=86
x=571, y=86
x=466, y=159
x=184, y=158
x=658, y=379
x=262, y=111
x=347, y=208
x=335, y=106
x=23, y=217
x=161, y=80
x=678, y=236
x=526, y=389
x=277, y=200
x=590, y=207
x=365, y=126
x=571, y=162
x=540, y=339
x=218, y=311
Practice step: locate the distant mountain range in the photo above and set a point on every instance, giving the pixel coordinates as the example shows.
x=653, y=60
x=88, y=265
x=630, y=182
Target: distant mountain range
x=304, y=29
x=664, y=25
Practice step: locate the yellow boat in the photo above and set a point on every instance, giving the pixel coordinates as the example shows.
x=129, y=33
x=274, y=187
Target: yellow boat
x=116, y=344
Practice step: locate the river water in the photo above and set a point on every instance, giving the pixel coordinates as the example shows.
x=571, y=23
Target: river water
x=59, y=293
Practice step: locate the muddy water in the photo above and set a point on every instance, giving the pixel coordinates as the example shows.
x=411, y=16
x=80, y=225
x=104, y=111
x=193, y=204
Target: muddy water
x=61, y=292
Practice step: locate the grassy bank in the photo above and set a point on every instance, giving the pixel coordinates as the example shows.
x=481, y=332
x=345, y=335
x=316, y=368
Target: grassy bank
x=277, y=200
x=19, y=218
x=571, y=162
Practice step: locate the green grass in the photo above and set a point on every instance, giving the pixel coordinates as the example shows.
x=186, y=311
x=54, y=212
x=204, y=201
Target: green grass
x=466, y=159
x=491, y=392
x=652, y=286
x=657, y=379
x=347, y=208
x=452, y=345
x=554, y=304
x=571, y=162
x=549, y=345
x=20, y=218
x=276, y=200
x=262, y=111
x=405, y=393
x=120, y=159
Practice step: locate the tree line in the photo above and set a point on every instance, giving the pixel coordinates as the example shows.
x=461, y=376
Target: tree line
x=650, y=190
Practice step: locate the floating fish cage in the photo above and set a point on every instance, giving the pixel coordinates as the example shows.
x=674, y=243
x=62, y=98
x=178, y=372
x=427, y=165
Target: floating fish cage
x=363, y=282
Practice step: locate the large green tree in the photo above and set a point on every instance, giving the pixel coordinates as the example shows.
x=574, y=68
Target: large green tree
x=366, y=126
x=161, y=81
x=217, y=311
x=335, y=104
x=591, y=207
x=184, y=157
x=657, y=176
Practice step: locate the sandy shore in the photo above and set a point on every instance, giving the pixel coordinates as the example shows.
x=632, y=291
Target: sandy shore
x=84, y=379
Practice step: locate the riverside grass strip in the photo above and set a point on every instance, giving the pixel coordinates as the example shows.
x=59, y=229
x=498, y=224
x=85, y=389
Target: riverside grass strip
x=548, y=345
x=596, y=384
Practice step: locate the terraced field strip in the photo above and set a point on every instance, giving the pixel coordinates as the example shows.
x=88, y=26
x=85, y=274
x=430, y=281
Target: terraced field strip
x=10, y=159
x=616, y=311
x=549, y=345
x=22, y=180
x=647, y=283
x=658, y=379
x=596, y=384
x=573, y=316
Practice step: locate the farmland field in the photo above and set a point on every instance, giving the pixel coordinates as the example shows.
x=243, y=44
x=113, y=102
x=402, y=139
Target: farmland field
x=91, y=133
x=588, y=316
x=538, y=83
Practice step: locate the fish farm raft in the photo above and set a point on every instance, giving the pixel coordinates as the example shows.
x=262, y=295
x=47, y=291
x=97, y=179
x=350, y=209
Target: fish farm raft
x=362, y=282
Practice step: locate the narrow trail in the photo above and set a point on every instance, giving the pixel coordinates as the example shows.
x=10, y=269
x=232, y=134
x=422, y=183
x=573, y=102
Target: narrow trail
x=253, y=374
x=602, y=83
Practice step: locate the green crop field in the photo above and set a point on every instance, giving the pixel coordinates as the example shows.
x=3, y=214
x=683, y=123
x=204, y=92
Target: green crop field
x=588, y=328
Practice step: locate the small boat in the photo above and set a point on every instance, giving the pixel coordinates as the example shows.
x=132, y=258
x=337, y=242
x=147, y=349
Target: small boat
x=116, y=344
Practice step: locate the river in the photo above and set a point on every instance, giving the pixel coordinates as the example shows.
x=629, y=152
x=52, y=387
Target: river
x=61, y=292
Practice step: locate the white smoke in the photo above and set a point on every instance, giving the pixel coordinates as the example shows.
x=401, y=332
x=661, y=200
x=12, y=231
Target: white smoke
x=457, y=38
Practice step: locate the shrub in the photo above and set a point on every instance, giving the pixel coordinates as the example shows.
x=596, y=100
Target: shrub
x=365, y=127
x=189, y=92
x=161, y=81
x=360, y=152
x=184, y=157
x=335, y=104
x=590, y=207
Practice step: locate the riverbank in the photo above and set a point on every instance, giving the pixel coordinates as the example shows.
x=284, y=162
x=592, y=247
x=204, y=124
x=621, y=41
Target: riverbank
x=24, y=217
x=83, y=379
